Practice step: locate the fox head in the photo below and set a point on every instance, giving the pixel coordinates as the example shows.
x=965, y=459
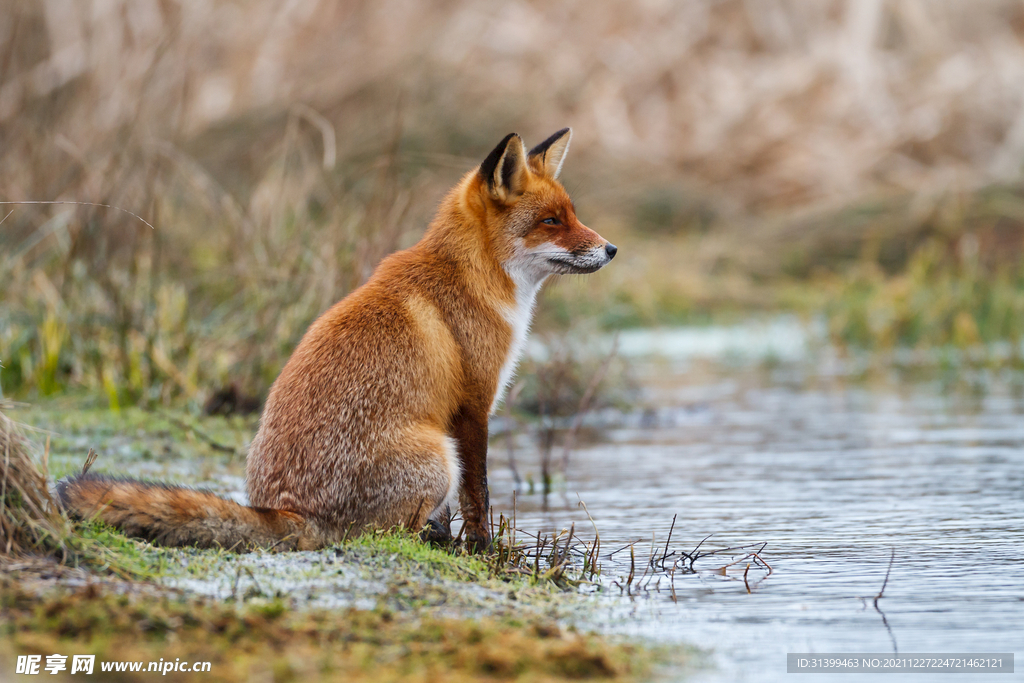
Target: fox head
x=530, y=219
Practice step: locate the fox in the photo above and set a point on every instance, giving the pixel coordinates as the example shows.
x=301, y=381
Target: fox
x=379, y=419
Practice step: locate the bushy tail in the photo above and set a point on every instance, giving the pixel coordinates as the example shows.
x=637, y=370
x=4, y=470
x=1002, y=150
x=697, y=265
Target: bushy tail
x=180, y=516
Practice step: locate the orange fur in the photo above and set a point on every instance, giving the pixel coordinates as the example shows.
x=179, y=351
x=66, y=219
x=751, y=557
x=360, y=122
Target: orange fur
x=380, y=416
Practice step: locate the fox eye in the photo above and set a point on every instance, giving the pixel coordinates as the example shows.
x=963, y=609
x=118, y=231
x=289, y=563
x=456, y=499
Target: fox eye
x=551, y=221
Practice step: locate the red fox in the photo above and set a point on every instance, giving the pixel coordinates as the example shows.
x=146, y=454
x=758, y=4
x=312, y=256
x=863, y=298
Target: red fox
x=379, y=418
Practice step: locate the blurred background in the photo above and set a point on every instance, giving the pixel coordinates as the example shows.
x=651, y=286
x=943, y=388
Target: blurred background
x=856, y=162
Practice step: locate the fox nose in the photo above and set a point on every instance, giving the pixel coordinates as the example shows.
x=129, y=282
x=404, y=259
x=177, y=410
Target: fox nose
x=610, y=249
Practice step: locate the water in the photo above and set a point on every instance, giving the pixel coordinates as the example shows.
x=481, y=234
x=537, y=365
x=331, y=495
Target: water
x=833, y=476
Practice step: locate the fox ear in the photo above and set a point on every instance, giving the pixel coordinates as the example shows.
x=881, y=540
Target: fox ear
x=504, y=170
x=547, y=157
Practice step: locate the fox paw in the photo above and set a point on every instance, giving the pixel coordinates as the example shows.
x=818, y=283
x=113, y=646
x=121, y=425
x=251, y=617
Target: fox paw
x=435, y=532
x=478, y=541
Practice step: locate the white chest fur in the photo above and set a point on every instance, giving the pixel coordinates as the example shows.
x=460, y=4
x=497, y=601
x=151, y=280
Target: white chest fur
x=519, y=318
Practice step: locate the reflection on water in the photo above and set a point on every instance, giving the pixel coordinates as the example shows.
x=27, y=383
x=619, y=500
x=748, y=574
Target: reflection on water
x=833, y=476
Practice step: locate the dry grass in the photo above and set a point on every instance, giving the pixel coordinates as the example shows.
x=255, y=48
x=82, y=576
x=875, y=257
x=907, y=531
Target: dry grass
x=34, y=531
x=562, y=558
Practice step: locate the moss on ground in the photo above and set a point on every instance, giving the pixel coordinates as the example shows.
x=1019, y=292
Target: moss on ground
x=268, y=641
x=436, y=614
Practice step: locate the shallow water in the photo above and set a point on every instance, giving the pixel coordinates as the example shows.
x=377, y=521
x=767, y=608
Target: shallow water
x=832, y=476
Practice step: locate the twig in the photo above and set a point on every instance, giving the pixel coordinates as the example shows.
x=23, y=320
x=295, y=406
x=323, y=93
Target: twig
x=568, y=543
x=632, y=566
x=692, y=555
x=733, y=563
x=716, y=551
x=209, y=440
x=628, y=545
x=536, y=558
x=650, y=561
x=512, y=531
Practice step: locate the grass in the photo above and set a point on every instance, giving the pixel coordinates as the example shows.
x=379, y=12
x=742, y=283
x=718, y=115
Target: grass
x=522, y=565
x=176, y=446
x=112, y=552
x=431, y=560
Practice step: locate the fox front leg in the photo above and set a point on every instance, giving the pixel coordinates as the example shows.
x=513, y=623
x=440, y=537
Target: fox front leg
x=469, y=430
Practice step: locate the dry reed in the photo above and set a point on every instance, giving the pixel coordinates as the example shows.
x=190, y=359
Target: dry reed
x=30, y=521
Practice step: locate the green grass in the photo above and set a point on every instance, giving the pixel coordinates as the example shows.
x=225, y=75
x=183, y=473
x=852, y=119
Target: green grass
x=938, y=301
x=412, y=554
x=103, y=549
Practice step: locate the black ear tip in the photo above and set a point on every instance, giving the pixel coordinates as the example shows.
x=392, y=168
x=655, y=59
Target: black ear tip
x=543, y=147
x=491, y=162
x=497, y=151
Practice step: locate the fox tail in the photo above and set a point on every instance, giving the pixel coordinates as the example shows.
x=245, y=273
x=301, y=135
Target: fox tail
x=179, y=516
